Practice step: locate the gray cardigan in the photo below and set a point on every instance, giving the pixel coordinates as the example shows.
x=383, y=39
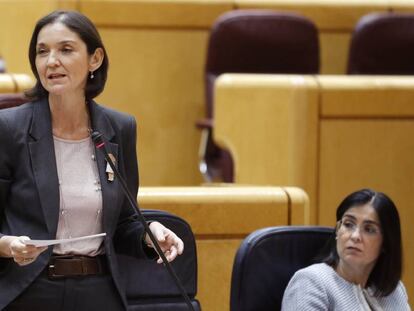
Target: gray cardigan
x=319, y=287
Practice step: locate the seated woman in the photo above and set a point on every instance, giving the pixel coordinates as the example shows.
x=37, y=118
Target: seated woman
x=362, y=269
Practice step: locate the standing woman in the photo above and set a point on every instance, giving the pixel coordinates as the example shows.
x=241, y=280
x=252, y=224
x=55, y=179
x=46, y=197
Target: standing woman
x=53, y=183
x=363, y=268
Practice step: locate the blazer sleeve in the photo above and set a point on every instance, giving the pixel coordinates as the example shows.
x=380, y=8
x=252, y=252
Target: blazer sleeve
x=5, y=171
x=305, y=291
x=5, y=177
x=129, y=232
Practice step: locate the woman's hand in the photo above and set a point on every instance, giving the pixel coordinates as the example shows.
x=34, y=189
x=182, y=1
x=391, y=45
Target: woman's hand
x=169, y=242
x=21, y=253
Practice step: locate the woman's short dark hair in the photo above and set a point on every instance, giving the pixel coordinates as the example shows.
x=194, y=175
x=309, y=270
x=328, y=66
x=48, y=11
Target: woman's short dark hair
x=88, y=33
x=386, y=274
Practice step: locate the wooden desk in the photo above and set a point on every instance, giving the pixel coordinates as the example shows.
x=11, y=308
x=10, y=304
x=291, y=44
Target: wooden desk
x=15, y=83
x=221, y=217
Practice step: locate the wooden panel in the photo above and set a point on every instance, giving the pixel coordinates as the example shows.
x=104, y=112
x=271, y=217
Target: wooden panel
x=366, y=96
x=299, y=211
x=7, y=84
x=377, y=154
x=164, y=91
x=220, y=210
x=274, y=138
x=334, y=48
x=328, y=15
x=401, y=5
x=215, y=265
x=22, y=82
x=15, y=83
x=220, y=218
x=155, y=13
x=17, y=20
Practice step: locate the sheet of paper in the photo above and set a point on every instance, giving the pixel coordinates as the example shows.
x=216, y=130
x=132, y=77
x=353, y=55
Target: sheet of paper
x=41, y=243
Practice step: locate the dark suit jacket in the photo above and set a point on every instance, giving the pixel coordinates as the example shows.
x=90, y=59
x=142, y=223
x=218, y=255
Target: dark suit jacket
x=29, y=194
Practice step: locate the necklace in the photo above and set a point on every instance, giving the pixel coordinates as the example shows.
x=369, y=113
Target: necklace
x=79, y=190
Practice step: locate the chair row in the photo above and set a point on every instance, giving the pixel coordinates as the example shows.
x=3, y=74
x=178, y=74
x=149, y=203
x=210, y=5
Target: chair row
x=264, y=263
x=262, y=267
x=264, y=41
x=221, y=217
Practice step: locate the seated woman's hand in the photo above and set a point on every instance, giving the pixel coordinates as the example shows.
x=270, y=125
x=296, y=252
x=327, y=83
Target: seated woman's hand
x=24, y=254
x=170, y=244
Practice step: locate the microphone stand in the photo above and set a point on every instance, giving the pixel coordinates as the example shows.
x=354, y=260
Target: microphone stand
x=100, y=145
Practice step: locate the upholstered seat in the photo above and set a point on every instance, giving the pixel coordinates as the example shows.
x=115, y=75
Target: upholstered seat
x=149, y=287
x=383, y=43
x=252, y=41
x=267, y=259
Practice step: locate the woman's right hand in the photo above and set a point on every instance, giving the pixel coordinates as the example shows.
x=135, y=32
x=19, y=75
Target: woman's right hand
x=21, y=253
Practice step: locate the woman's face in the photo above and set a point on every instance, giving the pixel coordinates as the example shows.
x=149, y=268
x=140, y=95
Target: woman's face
x=62, y=60
x=359, y=238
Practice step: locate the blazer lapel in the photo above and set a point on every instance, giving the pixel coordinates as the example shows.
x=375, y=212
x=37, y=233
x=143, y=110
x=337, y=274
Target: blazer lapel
x=42, y=154
x=110, y=189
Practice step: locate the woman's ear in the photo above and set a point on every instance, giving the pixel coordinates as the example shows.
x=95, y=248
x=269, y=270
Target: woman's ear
x=96, y=59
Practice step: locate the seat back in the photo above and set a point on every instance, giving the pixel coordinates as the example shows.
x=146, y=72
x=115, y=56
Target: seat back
x=252, y=41
x=260, y=41
x=149, y=287
x=267, y=259
x=383, y=43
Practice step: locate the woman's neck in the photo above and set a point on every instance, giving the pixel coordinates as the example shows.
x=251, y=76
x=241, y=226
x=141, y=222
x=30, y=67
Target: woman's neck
x=354, y=275
x=70, y=117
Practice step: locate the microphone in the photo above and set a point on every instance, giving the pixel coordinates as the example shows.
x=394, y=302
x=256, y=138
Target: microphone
x=99, y=142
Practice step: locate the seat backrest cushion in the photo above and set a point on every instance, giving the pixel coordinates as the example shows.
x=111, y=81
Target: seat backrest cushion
x=383, y=43
x=148, y=284
x=261, y=41
x=266, y=261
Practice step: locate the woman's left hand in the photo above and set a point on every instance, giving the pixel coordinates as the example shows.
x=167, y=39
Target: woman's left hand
x=169, y=242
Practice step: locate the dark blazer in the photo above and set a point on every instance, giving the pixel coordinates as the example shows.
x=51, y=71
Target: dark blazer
x=29, y=191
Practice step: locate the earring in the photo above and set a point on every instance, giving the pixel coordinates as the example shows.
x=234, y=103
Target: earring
x=91, y=75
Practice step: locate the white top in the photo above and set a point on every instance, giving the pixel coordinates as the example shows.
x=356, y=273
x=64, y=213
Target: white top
x=319, y=287
x=80, y=196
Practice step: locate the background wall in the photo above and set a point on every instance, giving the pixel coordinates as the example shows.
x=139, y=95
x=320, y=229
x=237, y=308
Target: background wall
x=157, y=52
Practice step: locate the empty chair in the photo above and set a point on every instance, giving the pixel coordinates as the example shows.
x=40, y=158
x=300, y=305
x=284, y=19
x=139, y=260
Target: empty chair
x=148, y=284
x=252, y=41
x=383, y=43
x=267, y=259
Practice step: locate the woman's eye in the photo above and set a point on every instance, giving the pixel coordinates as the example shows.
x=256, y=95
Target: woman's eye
x=41, y=51
x=348, y=224
x=66, y=50
x=370, y=229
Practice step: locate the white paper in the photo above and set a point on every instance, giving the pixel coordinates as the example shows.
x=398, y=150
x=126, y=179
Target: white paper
x=41, y=243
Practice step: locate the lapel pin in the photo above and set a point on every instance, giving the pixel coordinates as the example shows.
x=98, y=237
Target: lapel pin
x=109, y=170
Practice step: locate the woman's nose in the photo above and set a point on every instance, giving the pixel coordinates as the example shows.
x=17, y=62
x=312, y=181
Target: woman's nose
x=356, y=234
x=52, y=60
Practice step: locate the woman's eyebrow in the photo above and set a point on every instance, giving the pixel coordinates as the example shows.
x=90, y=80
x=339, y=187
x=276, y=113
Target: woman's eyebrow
x=63, y=42
x=369, y=221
